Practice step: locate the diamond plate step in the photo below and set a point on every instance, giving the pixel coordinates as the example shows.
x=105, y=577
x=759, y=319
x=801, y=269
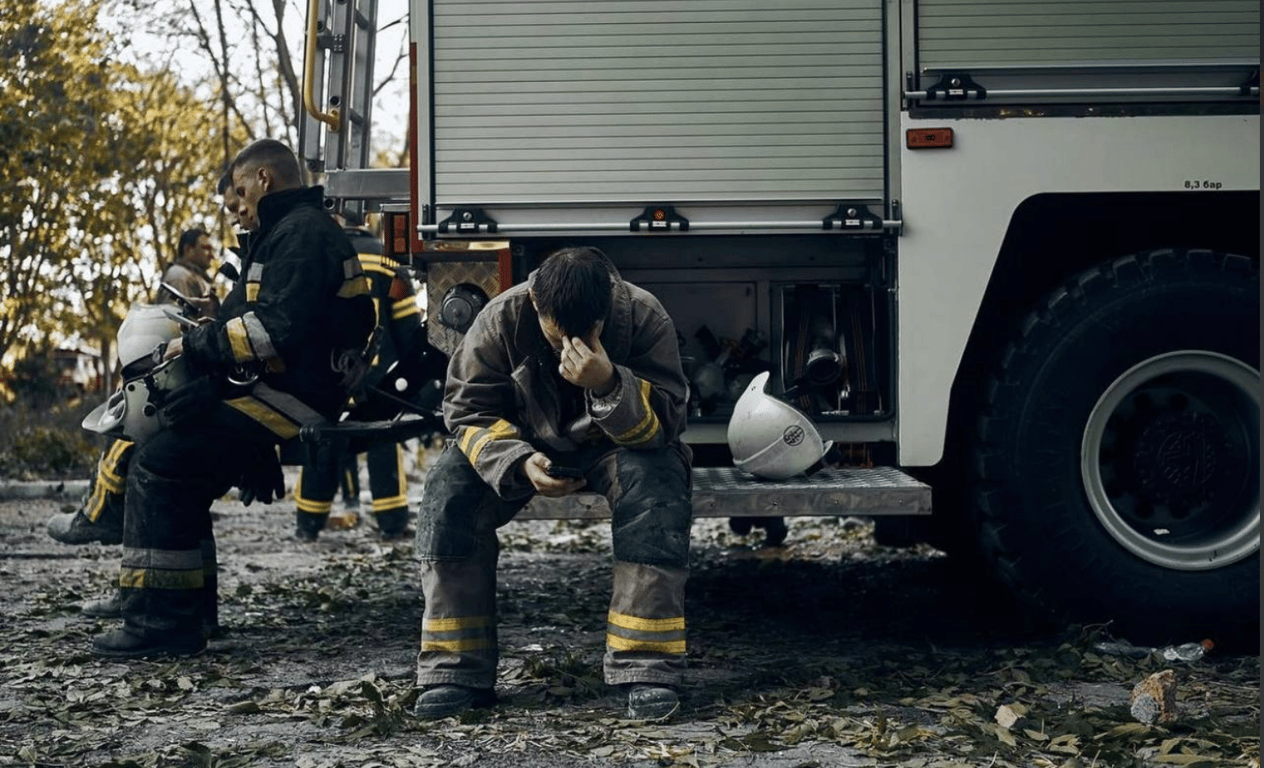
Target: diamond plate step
x=726, y=492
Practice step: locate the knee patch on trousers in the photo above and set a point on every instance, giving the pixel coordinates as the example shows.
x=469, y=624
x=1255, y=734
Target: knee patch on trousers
x=651, y=509
x=456, y=507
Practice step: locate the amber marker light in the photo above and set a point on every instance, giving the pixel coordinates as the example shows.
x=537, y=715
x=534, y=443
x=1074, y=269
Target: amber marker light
x=929, y=138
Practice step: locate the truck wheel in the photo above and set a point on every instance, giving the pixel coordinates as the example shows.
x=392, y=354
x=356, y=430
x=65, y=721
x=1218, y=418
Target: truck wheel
x=1118, y=453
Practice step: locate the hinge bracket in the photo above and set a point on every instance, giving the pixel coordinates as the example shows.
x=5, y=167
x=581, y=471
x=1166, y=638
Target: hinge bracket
x=852, y=217
x=468, y=221
x=659, y=218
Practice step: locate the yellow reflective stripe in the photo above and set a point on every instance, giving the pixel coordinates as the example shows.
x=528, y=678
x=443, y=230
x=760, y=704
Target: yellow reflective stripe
x=644, y=431
x=390, y=502
x=252, y=292
x=405, y=308
x=115, y=454
x=311, y=505
x=646, y=625
x=457, y=646
x=110, y=481
x=624, y=644
x=355, y=286
x=456, y=623
x=498, y=431
x=108, y=478
x=377, y=269
x=96, y=502
x=372, y=259
x=269, y=418
x=148, y=578
x=467, y=435
x=239, y=340
x=650, y=433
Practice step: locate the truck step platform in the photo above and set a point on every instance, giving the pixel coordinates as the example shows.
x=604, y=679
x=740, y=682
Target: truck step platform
x=726, y=492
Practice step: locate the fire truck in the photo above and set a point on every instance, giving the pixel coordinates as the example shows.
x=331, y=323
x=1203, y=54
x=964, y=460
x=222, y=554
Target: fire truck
x=1003, y=253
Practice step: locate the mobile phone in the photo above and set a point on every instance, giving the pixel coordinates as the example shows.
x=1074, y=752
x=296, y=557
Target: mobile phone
x=181, y=299
x=570, y=473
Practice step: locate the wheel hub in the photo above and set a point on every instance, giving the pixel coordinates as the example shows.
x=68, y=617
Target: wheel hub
x=1179, y=459
x=1169, y=460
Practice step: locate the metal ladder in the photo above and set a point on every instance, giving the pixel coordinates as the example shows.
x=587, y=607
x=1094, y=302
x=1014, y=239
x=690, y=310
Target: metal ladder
x=334, y=131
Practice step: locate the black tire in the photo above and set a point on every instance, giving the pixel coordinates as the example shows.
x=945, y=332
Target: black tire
x=1118, y=457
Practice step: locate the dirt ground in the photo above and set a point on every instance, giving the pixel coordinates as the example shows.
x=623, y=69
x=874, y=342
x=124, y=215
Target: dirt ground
x=827, y=651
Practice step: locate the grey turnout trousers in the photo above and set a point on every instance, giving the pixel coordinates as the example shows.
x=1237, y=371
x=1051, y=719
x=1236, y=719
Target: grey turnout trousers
x=456, y=544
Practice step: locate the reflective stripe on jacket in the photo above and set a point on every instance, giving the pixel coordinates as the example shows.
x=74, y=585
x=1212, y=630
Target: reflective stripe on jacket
x=504, y=398
x=303, y=300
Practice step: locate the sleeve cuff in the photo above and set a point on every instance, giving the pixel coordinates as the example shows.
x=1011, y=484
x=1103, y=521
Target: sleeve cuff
x=600, y=407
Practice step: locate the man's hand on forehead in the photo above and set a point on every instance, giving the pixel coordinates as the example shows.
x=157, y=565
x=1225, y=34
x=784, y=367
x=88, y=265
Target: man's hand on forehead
x=584, y=363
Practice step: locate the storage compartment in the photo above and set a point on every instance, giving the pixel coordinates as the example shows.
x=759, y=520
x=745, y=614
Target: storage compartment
x=820, y=340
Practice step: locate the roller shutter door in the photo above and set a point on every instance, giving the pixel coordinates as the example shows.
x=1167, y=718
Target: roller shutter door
x=974, y=33
x=658, y=100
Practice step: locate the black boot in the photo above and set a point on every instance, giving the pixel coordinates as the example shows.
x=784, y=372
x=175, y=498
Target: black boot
x=106, y=608
x=392, y=524
x=124, y=644
x=648, y=701
x=76, y=528
x=309, y=525
x=438, y=701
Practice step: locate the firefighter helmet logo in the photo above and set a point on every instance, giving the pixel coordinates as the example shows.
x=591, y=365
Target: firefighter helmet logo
x=793, y=435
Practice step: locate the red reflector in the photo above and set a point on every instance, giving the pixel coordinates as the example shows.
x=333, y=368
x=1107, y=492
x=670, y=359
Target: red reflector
x=929, y=138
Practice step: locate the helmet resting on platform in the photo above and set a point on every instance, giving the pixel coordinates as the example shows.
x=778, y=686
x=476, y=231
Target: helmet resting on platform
x=770, y=438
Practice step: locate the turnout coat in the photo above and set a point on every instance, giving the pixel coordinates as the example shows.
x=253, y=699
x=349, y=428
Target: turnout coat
x=505, y=400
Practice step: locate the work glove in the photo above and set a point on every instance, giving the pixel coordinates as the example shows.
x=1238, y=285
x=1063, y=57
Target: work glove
x=261, y=477
x=189, y=402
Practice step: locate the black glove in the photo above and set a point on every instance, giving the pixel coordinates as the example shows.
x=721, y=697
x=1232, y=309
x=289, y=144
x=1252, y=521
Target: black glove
x=262, y=478
x=189, y=402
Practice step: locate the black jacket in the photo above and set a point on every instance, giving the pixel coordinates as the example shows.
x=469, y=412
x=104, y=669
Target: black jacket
x=301, y=303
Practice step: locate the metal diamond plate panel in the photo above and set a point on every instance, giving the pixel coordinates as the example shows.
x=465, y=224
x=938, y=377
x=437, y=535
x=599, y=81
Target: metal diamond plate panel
x=727, y=492
x=440, y=276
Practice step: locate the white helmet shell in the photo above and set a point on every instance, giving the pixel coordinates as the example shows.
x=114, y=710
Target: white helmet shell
x=107, y=418
x=132, y=411
x=145, y=327
x=770, y=438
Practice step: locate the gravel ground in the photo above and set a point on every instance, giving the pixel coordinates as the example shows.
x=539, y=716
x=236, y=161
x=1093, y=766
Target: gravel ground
x=827, y=651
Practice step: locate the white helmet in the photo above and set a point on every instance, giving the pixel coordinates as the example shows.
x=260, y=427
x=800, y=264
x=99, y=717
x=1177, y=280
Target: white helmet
x=145, y=327
x=770, y=438
x=132, y=411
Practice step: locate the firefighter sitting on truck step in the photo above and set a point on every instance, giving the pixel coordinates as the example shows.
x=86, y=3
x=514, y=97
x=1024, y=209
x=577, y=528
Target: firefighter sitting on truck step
x=575, y=370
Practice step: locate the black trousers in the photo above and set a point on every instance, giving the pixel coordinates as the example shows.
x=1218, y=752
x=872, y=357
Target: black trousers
x=166, y=580
x=456, y=542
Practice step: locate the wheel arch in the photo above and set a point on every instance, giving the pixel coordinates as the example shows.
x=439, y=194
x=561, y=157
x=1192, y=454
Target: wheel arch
x=1050, y=238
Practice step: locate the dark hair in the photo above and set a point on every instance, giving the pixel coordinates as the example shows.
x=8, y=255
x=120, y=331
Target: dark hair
x=572, y=288
x=270, y=153
x=188, y=239
x=225, y=180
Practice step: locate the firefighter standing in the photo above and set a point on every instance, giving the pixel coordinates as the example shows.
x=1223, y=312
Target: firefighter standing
x=284, y=352
x=579, y=369
x=399, y=330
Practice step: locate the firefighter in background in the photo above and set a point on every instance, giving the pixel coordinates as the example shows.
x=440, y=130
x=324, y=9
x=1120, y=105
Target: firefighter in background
x=399, y=330
x=573, y=370
x=100, y=518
